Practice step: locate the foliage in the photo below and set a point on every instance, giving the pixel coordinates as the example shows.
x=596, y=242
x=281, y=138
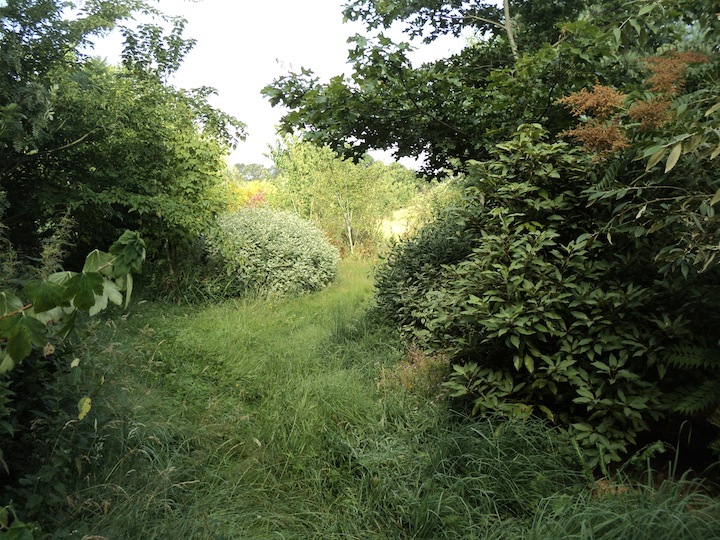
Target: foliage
x=454, y=108
x=195, y=441
x=541, y=313
x=251, y=171
x=116, y=147
x=249, y=194
x=36, y=386
x=256, y=250
x=346, y=200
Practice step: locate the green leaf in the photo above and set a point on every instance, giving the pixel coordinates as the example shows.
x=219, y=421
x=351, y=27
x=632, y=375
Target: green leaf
x=715, y=153
x=44, y=294
x=675, y=154
x=129, y=251
x=84, y=406
x=82, y=288
x=6, y=362
x=517, y=362
x=98, y=261
x=128, y=289
x=25, y=332
x=529, y=363
x=712, y=109
x=655, y=159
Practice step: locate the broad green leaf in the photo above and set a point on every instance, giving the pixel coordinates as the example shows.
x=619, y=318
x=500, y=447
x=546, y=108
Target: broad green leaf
x=84, y=406
x=98, y=261
x=517, y=362
x=9, y=303
x=113, y=293
x=44, y=294
x=129, y=251
x=530, y=363
x=82, y=288
x=61, y=277
x=101, y=301
x=618, y=35
x=675, y=154
x=110, y=292
x=646, y=9
x=24, y=333
x=715, y=153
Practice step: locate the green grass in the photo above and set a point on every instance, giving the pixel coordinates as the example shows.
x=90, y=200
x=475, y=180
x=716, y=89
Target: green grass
x=266, y=419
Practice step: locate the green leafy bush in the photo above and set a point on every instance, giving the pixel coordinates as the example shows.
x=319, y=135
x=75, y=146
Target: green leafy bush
x=543, y=315
x=256, y=250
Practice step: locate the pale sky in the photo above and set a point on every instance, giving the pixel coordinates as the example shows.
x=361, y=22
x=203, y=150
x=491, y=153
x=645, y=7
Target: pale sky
x=243, y=45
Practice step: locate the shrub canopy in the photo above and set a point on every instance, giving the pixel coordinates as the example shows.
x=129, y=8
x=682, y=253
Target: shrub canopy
x=257, y=250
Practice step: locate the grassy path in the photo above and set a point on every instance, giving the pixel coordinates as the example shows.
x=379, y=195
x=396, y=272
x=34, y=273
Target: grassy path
x=277, y=419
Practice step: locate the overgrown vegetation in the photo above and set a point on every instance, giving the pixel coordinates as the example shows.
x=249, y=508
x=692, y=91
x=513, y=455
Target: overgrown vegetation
x=190, y=437
x=578, y=287
x=551, y=366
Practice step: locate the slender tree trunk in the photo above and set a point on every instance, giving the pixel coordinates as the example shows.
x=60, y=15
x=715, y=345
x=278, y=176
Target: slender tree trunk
x=509, y=30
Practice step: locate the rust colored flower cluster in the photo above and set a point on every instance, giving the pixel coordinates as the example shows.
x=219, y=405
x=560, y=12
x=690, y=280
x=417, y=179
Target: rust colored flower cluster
x=600, y=137
x=653, y=113
x=668, y=70
x=603, y=132
x=601, y=102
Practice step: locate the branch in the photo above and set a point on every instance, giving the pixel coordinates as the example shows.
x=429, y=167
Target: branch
x=17, y=311
x=509, y=30
x=505, y=25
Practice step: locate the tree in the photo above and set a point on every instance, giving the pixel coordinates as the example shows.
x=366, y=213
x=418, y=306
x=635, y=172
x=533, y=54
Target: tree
x=451, y=109
x=345, y=199
x=120, y=148
x=576, y=284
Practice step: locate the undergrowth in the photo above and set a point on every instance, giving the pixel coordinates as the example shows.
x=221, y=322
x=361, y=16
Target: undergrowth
x=300, y=418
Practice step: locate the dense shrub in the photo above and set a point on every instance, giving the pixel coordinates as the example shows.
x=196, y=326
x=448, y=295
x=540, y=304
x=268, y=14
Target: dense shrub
x=256, y=250
x=544, y=314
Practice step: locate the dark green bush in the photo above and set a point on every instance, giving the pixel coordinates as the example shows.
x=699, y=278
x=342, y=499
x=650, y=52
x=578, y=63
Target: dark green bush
x=263, y=251
x=544, y=315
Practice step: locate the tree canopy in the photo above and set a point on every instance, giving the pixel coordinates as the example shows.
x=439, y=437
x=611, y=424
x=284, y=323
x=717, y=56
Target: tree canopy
x=456, y=108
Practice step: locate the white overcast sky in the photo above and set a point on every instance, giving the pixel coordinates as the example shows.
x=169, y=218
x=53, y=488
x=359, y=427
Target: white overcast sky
x=243, y=45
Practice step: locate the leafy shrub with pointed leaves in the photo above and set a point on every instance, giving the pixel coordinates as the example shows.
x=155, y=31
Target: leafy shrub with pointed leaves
x=263, y=251
x=543, y=315
x=37, y=318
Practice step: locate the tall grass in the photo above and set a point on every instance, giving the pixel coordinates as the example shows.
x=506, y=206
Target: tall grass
x=267, y=419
